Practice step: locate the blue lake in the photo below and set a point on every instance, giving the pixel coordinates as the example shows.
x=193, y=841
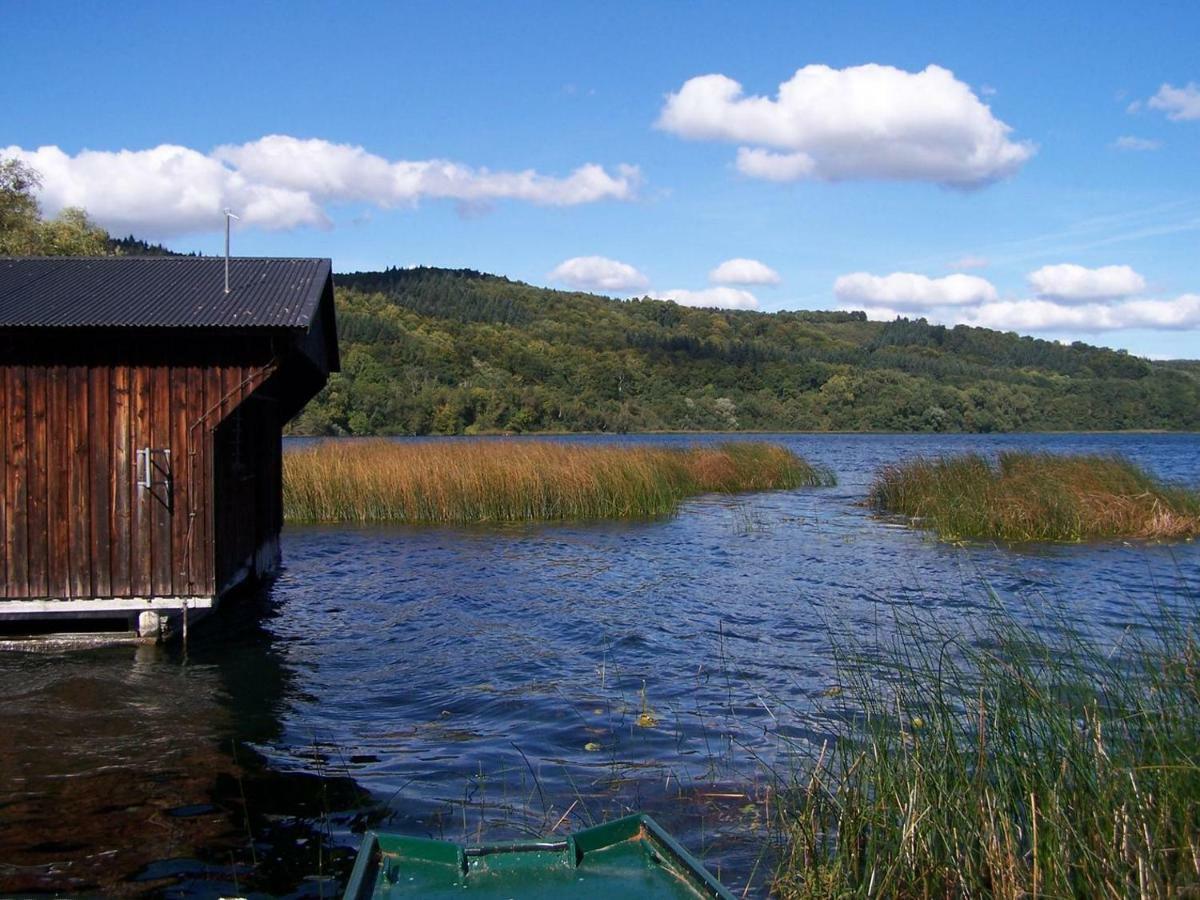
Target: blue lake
x=486, y=683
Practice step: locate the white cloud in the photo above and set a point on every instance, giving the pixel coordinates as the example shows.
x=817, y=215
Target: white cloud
x=1181, y=313
x=344, y=172
x=165, y=190
x=881, y=313
x=969, y=261
x=770, y=166
x=281, y=182
x=1072, y=283
x=1181, y=104
x=868, y=121
x=599, y=273
x=1073, y=300
x=743, y=271
x=720, y=297
x=1047, y=316
x=1050, y=317
x=1039, y=315
x=907, y=291
x=1129, y=142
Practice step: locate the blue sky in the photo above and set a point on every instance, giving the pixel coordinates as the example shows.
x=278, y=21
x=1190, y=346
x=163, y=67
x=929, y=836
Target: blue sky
x=401, y=132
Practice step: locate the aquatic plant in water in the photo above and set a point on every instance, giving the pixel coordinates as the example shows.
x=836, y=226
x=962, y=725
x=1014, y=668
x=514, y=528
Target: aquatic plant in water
x=465, y=482
x=1004, y=763
x=1032, y=496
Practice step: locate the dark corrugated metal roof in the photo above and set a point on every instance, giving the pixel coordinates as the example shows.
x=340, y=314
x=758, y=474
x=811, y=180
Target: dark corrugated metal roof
x=159, y=292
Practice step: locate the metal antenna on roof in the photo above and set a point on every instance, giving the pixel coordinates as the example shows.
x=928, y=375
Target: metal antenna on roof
x=228, y=215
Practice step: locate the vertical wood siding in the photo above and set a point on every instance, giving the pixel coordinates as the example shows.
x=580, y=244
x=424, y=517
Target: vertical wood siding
x=73, y=521
x=16, y=517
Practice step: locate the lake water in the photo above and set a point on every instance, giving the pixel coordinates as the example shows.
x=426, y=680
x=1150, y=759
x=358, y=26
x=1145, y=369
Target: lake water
x=485, y=683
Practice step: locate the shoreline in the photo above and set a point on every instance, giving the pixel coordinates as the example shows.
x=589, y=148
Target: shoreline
x=613, y=434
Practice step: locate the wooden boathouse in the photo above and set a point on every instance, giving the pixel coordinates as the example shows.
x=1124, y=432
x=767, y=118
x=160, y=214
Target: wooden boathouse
x=141, y=412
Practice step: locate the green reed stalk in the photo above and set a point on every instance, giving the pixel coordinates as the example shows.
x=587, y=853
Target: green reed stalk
x=1007, y=764
x=1027, y=496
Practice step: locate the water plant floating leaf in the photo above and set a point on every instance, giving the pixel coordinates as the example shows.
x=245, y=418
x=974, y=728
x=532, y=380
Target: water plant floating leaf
x=646, y=718
x=1030, y=496
x=478, y=481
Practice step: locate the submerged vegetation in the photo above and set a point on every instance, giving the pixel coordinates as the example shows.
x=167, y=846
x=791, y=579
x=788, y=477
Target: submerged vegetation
x=1029, y=496
x=1005, y=763
x=467, y=482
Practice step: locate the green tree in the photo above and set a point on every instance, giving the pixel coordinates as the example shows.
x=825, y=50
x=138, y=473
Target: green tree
x=23, y=231
x=72, y=233
x=20, y=217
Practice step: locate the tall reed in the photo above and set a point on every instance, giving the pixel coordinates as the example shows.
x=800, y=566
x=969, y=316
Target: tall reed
x=1026, y=496
x=463, y=482
x=1005, y=764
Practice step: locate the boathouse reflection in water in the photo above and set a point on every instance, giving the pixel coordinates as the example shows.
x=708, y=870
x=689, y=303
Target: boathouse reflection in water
x=128, y=769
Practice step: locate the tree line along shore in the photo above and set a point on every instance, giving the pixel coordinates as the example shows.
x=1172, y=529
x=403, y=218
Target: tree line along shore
x=435, y=351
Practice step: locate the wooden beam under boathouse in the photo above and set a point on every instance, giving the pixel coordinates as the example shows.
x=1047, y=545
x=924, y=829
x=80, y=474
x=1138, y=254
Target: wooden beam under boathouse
x=141, y=416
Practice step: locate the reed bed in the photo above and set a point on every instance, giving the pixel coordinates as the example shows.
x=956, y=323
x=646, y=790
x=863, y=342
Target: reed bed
x=466, y=482
x=1005, y=764
x=1026, y=496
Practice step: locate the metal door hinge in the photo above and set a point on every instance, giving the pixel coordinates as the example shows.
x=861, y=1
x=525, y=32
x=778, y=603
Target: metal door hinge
x=153, y=462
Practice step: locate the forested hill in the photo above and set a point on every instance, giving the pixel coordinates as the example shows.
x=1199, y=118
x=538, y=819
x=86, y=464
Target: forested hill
x=438, y=351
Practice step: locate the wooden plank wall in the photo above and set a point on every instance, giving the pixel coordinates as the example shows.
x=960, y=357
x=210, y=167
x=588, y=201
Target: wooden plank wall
x=73, y=521
x=250, y=497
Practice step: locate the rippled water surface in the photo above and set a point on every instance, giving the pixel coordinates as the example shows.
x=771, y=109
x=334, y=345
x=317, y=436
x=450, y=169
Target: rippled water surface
x=478, y=684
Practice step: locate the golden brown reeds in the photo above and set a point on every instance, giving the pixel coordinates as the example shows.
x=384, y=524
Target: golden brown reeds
x=473, y=481
x=1025, y=496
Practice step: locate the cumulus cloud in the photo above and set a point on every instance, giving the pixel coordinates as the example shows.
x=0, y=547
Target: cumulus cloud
x=770, y=166
x=1181, y=104
x=719, y=297
x=908, y=291
x=165, y=190
x=282, y=182
x=1129, y=142
x=868, y=121
x=1181, y=313
x=599, y=273
x=1052, y=317
x=1072, y=283
x=881, y=313
x=347, y=172
x=1071, y=300
x=743, y=271
x=1047, y=316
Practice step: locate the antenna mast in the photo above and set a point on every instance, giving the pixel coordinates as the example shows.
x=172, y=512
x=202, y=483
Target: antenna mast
x=228, y=215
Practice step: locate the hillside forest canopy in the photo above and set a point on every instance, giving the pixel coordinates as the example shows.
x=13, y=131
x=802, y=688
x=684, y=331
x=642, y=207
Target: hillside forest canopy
x=438, y=351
